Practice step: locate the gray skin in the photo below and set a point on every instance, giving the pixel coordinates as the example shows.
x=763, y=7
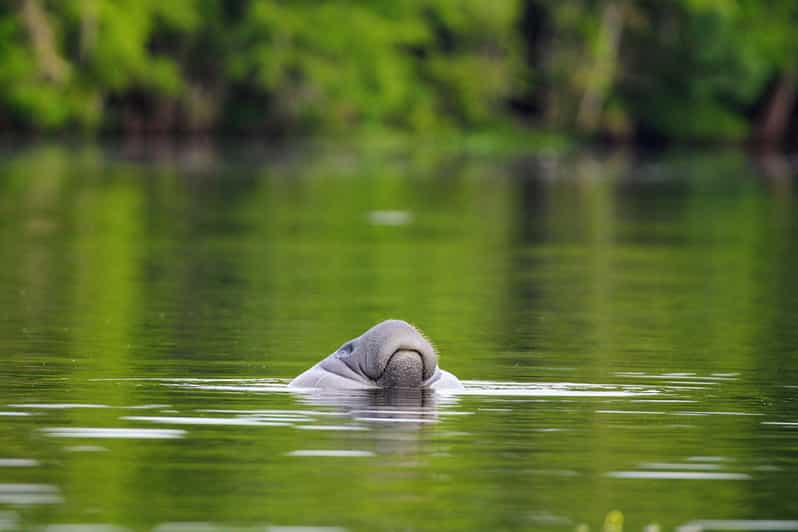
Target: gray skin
x=392, y=354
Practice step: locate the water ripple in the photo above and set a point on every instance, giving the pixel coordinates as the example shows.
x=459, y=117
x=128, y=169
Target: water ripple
x=86, y=432
x=84, y=527
x=195, y=526
x=473, y=387
x=56, y=406
x=553, y=389
x=18, y=462
x=737, y=524
x=25, y=494
x=677, y=475
x=182, y=420
x=693, y=466
x=331, y=452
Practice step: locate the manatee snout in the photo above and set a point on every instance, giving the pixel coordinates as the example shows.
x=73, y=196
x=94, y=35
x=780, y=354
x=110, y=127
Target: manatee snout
x=405, y=369
x=397, y=355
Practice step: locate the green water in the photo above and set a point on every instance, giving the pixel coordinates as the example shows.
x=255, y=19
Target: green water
x=625, y=327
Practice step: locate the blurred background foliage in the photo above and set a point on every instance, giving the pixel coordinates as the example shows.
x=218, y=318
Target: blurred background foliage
x=645, y=70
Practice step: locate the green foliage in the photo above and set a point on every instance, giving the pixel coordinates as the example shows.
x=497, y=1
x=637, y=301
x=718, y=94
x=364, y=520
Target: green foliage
x=688, y=69
x=331, y=65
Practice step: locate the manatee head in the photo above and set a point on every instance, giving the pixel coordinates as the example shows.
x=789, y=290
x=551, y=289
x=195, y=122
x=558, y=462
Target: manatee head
x=392, y=354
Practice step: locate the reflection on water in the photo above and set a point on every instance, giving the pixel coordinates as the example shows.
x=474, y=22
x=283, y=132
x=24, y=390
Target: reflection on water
x=625, y=330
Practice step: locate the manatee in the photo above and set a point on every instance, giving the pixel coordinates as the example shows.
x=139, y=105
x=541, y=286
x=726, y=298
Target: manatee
x=392, y=354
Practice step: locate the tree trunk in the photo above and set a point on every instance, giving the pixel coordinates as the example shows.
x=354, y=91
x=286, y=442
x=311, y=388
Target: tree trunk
x=602, y=73
x=776, y=116
x=51, y=66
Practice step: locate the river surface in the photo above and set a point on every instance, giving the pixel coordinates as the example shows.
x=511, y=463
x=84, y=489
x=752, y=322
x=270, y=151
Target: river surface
x=626, y=328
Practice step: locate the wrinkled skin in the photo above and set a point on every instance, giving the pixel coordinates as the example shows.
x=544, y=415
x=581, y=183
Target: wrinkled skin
x=392, y=354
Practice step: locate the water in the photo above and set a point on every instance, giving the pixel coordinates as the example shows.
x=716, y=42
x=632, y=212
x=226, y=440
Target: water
x=626, y=328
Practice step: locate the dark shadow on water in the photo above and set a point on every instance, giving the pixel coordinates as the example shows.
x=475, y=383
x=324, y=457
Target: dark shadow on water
x=397, y=404
x=394, y=420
